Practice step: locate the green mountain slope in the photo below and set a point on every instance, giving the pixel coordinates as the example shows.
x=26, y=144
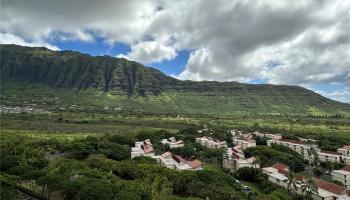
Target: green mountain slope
x=58, y=79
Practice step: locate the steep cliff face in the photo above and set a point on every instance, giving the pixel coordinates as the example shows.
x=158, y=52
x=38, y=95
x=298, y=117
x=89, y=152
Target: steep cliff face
x=73, y=70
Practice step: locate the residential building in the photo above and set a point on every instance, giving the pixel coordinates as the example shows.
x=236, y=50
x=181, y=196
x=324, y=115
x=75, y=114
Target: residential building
x=326, y=190
x=329, y=156
x=142, y=148
x=171, y=161
x=234, y=160
x=300, y=147
x=268, y=135
x=244, y=143
x=345, y=151
x=330, y=191
x=173, y=143
x=342, y=175
x=211, y=143
x=277, y=174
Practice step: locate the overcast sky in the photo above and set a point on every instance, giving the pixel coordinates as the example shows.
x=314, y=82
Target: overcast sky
x=304, y=43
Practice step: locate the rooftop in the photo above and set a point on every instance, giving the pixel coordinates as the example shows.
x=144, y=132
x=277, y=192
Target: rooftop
x=280, y=166
x=331, y=187
x=347, y=147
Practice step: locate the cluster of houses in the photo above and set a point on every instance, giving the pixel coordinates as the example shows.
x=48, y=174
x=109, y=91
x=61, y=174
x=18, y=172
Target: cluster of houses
x=234, y=158
x=278, y=174
x=167, y=159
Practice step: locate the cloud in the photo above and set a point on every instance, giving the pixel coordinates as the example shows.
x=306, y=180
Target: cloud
x=338, y=95
x=282, y=42
x=150, y=52
x=6, y=38
x=116, y=21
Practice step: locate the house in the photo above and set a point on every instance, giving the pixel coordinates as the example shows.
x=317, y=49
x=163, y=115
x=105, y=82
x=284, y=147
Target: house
x=234, y=159
x=176, y=162
x=329, y=156
x=277, y=174
x=142, y=148
x=345, y=152
x=244, y=143
x=342, y=175
x=173, y=143
x=211, y=143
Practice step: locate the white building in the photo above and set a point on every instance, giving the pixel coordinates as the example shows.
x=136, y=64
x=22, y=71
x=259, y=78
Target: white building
x=277, y=174
x=142, y=148
x=244, y=143
x=211, y=143
x=173, y=143
x=326, y=190
x=345, y=152
x=342, y=175
x=299, y=146
x=329, y=156
x=268, y=135
x=171, y=161
x=234, y=160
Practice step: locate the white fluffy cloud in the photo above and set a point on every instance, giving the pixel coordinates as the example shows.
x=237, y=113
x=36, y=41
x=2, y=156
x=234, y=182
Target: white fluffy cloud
x=282, y=42
x=6, y=38
x=150, y=52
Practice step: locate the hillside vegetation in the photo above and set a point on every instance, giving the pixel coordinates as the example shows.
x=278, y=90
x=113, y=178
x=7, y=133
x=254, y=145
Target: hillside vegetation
x=59, y=79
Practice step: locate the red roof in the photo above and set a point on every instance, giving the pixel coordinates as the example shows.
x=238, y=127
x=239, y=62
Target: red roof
x=331, y=187
x=280, y=166
x=195, y=163
x=284, y=172
x=346, y=168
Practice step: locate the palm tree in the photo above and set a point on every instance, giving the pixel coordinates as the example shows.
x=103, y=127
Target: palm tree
x=309, y=188
x=291, y=181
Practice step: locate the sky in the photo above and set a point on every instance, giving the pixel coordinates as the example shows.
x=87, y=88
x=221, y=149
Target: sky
x=305, y=43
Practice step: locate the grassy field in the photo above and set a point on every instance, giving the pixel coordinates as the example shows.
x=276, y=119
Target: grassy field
x=75, y=125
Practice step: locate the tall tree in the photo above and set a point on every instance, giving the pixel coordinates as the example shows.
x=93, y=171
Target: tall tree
x=161, y=188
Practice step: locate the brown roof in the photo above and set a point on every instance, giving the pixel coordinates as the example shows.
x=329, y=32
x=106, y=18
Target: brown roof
x=331, y=187
x=178, y=158
x=195, y=163
x=346, y=168
x=280, y=166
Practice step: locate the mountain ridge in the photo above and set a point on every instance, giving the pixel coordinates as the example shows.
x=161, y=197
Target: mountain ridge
x=73, y=70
